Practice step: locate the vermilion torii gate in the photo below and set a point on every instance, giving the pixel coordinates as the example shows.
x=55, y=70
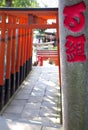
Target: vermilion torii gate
x=16, y=33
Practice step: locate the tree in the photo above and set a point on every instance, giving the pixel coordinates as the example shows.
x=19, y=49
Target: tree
x=24, y=3
x=8, y=3
x=41, y=31
x=2, y=3
x=19, y=3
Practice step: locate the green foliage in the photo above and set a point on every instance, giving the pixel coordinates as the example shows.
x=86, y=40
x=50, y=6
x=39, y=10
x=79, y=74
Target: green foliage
x=41, y=31
x=24, y=3
x=2, y=3
x=19, y=3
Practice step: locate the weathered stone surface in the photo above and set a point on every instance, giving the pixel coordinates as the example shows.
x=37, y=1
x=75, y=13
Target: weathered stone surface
x=37, y=102
x=74, y=76
x=14, y=125
x=50, y=128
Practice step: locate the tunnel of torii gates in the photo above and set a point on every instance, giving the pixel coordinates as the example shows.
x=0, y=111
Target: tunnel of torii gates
x=16, y=35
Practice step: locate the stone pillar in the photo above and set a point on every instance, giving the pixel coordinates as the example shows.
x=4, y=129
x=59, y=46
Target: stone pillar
x=73, y=23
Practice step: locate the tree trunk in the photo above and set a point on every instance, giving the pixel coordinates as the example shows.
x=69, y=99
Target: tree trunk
x=8, y=3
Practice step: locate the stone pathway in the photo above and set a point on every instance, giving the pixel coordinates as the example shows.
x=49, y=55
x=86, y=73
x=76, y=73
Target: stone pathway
x=37, y=101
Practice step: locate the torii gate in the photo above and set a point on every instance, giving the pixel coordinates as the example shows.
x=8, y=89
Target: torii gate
x=16, y=25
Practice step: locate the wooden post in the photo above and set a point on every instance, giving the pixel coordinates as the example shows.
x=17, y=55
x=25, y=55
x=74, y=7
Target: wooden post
x=2, y=56
x=13, y=69
x=27, y=54
x=18, y=58
x=21, y=59
x=26, y=41
x=30, y=61
x=8, y=63
x=22, y=55
x=30, y=50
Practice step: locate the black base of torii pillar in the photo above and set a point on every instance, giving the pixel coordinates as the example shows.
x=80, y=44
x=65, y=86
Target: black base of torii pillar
x=73, y=23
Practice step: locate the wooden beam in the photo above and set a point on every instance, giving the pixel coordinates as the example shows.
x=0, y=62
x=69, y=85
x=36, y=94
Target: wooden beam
x=32, y=26
x=42, y=14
